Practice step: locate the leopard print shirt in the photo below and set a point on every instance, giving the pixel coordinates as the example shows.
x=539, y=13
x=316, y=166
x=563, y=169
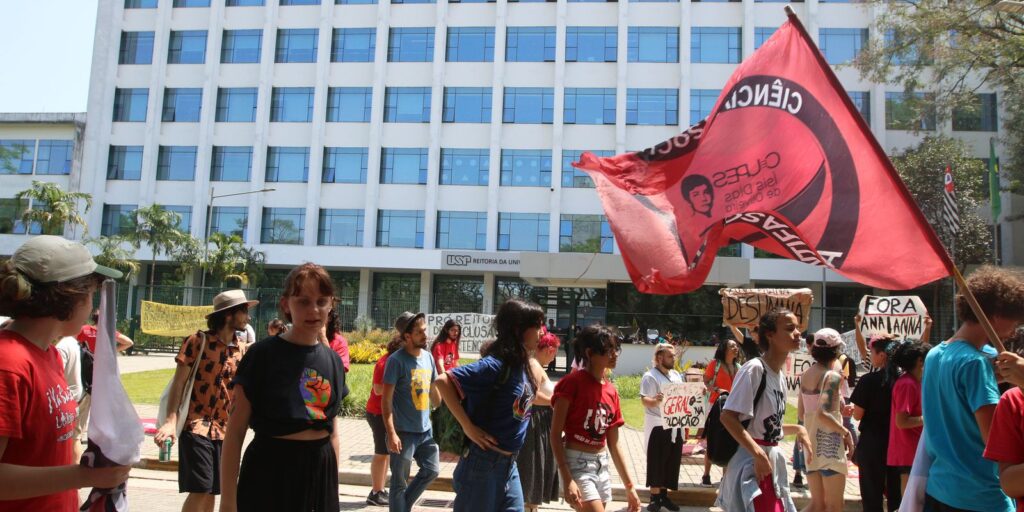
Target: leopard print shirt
x=211, y=393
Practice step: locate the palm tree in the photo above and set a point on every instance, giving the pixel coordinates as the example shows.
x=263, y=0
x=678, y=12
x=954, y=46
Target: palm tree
x=113, y=254
x=53, y=208
x=157, y=227
x=232, y=260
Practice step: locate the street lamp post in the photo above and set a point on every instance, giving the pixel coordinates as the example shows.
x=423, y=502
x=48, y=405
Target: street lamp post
x=209, y=221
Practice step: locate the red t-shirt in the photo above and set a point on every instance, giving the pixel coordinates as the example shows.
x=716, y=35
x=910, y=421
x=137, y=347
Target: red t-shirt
x=906, y=398
x=37, y=415
x=447, y=352
x=593, y=408
x=88, y=336
x=340, y=346
x=373, y=403
x=1006, y=436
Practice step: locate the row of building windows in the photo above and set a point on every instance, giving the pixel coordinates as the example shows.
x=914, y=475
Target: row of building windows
x=708, y=45
x=32, y=156
x=395, y=228
x=521, y=105
x=152, y=4
x=470, y=167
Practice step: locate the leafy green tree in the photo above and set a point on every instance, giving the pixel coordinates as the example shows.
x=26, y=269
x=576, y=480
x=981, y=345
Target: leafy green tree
x=922, y=168
x=158, y=228
x=113, y=254
x=53, y=208
x=231, y=260
x=951, y=50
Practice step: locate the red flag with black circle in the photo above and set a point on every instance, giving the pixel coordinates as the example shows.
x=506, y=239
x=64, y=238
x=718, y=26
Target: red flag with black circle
x=785, y=163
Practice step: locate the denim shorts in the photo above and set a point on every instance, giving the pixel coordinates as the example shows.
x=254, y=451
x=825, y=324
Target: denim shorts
x=825, y=472
x=590, y=471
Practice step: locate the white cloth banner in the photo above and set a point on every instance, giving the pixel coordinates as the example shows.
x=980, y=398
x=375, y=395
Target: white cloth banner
x=899, y=315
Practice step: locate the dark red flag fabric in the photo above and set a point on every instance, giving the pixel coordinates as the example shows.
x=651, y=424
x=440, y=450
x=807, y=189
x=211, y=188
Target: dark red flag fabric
x=785, y=163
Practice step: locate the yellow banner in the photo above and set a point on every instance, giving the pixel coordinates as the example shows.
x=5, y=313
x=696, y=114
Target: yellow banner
x=174, y=321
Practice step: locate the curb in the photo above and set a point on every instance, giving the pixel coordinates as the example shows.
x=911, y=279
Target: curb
x=686, y=496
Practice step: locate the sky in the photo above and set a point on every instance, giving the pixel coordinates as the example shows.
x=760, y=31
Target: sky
x=45, y=54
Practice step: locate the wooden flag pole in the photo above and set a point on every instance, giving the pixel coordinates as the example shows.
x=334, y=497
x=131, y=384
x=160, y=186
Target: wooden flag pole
x=976, y=308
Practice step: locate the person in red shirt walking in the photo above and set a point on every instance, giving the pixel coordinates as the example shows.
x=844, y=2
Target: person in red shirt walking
x=1006, y=435
x=375, y=417
x=445, y=347
x=586, y=415
x=47, y=287
x=906, y=422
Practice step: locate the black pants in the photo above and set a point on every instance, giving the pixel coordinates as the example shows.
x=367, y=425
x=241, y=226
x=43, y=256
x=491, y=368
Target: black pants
x=663, y=457
x=933, y=505
x=876, y=478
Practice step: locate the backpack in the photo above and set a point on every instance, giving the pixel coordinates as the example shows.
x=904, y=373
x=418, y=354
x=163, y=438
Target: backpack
x=86, y=362
x=721, y=445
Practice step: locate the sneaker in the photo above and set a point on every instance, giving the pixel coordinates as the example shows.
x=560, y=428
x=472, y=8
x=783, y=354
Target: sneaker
x=705, y=480
x=655, y=505
x=385, y=493
x=798, y=482
x=667, y=503
x=377, y=498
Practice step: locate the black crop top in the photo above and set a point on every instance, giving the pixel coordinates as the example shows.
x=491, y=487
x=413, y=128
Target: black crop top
x=291, y=387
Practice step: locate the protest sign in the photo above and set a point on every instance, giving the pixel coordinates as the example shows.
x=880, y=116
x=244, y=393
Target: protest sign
x=899, y=315
x=796, y=364
x=683, y=406
x=476, y=328
x=851, y=350
x=743, y=307
x=173, y=321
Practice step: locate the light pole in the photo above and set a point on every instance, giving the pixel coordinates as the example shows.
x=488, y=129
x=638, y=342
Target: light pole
x=209, y=220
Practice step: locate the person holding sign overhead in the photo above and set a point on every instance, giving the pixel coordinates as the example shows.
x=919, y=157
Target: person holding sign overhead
x=664, y=447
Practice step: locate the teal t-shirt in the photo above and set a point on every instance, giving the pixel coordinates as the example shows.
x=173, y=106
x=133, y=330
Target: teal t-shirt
x=412, y=377
x=958, y=380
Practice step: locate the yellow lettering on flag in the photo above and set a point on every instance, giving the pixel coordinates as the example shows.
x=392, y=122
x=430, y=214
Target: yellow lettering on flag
x=171, y=320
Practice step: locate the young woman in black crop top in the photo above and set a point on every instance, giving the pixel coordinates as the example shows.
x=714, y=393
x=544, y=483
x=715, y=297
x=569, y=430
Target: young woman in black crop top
x=288, y=389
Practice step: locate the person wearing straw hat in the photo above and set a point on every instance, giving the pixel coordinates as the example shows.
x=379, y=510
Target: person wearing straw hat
x=47, y=287
x=218, y=351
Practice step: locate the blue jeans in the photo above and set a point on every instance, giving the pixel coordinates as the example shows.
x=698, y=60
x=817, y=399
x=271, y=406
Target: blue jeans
x=487, y=481
x=799, y=464
x=418, y=446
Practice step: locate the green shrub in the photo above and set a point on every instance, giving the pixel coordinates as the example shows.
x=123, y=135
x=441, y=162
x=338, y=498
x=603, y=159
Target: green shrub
x=358, y=379
x=628, y=386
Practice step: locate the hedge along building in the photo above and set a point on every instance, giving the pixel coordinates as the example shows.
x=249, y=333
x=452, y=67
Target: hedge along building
x=406, y=138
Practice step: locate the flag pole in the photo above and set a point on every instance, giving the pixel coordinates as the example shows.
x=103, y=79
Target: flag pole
x=939, y=246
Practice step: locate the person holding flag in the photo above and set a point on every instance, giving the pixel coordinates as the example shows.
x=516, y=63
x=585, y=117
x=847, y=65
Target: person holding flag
x=47, y=287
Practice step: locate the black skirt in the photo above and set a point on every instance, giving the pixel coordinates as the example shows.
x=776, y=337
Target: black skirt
x=284, y=475
x=537, y=469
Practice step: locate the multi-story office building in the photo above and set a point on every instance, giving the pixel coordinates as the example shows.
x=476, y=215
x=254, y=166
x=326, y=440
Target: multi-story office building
x=422, y=149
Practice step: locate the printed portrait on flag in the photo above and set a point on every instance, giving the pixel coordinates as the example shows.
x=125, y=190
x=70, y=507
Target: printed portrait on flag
x=785, y=163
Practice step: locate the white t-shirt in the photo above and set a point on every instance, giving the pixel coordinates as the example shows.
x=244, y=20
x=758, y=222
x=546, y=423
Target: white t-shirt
x=651, y=384
x=71, y=355
x=766, y=421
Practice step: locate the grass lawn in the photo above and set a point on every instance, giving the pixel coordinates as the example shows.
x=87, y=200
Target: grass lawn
x=146, y=387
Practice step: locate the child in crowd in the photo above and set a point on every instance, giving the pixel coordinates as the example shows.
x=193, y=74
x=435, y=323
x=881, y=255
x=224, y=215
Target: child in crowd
x=906, y=422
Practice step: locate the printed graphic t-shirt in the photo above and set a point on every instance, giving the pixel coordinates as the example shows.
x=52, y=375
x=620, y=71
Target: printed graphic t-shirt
x=412, y=377
x=212, y=391
x=766, y=421
x=906, y=398
x=447, y=352
x=593, y=408
x=1006, y=438
x=505, y=413
x=291, y=387
x=373, y=401
x=37, y=415
x=959, y=380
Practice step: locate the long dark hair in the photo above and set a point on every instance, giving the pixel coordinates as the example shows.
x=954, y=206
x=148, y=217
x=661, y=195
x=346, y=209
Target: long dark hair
x=442, y=336
x=723, y=349
x=514, y=317
x=333, y=322
x=907, y=354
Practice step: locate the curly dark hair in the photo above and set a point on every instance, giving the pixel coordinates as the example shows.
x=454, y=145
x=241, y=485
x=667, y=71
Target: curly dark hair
x=768, y=325
x=333, y=322
x=20, y=297
x=514, y=317
x=598, y=338
x=218, y=320
x=1000, y=292
x=909, y=353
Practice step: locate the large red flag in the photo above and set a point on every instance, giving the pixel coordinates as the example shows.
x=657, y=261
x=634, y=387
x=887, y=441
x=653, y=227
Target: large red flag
x=785, y=163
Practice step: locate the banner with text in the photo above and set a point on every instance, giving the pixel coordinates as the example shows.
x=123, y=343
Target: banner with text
x=684, y=406
x=171, y=320
x=476, y=328
x=899, y=315
x=743, y=307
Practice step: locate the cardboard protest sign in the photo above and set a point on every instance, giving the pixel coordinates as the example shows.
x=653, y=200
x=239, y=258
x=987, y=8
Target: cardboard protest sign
x=743, y=307
x=172, y=320
x=684, y=406
x=899, y=315
x=796, y=364
x=476, y=328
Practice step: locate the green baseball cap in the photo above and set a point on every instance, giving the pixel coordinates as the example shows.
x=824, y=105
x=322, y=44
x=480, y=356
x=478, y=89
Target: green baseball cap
x=53, y=259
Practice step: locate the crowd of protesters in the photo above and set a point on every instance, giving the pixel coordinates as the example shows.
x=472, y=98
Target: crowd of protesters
x=527, y=440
